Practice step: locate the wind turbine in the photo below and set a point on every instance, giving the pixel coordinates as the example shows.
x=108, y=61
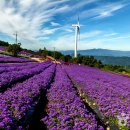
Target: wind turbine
x=77, y=35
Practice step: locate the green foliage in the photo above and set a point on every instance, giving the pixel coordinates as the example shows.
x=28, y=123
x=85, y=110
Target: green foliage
x=46, y=52
x=75, y=60
x=43, y=52
x=5, y=53
x=88, y=60
x=93, y=62
x=67, y=58
x=111, y=60
x=115, y=68
x=3, y=43
x=14, y=49
x=57, y=55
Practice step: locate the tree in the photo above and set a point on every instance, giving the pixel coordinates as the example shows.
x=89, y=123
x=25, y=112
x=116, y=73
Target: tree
x=75, y=60
x=3, y=43
x=80, y=59
x=66, y=58
x=58, y=55
x=44, y=52
x=14, y=49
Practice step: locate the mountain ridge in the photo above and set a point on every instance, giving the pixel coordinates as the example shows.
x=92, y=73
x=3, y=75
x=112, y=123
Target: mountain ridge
x=99, y=52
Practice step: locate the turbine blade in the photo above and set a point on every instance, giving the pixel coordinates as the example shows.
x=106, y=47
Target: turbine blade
x=78, y=19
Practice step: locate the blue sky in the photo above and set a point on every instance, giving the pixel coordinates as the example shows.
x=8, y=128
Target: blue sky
x=47, y=23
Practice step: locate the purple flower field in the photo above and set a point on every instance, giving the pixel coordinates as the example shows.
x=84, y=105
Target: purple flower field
x=9, y=59
x=65, y=109
x=2, y=48
x=62, y=97
x=109, y=92
x=18, y=100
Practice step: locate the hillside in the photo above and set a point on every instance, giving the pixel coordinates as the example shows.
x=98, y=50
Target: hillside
x=110, y=60
x=72, y=93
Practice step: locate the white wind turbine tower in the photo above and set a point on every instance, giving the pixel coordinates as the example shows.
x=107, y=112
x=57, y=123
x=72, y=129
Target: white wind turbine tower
x=77, y=35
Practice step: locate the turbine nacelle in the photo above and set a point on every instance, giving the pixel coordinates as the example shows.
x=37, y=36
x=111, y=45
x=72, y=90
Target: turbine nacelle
x=76, y=25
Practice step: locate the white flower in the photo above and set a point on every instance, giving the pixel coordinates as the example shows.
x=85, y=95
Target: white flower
x=122, y=119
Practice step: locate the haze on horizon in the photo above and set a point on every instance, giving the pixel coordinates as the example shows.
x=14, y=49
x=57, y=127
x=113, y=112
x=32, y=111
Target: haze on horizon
x=47, y=23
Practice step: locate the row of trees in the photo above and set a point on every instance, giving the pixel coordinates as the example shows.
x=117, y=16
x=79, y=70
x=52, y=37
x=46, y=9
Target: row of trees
x=56, y=54
x=3, y=43
x=89, y=60
x=93, y=62
x=85, y=60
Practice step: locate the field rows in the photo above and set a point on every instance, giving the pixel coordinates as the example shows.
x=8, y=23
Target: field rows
x=9, y=59
x=62, y=97
x=12, y=76
x=107, y=92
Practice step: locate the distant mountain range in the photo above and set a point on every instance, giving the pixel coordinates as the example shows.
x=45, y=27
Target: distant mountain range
x=112, y=60
x=99, y=52
x=112, y=57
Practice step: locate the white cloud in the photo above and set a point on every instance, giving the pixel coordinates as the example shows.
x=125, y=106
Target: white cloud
x=108, y=10
x=28, y=17
x=91, y=34
x=91, y=44
x=55, y=24
x=117, y=37
x=110, y=34
x=26, y=3
x=68, y=30
x=78, y=5
x=102, y=11
x=31, y=17
x=62, y=42
x=67, y=41
x=47, y=31
x=102, y=40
